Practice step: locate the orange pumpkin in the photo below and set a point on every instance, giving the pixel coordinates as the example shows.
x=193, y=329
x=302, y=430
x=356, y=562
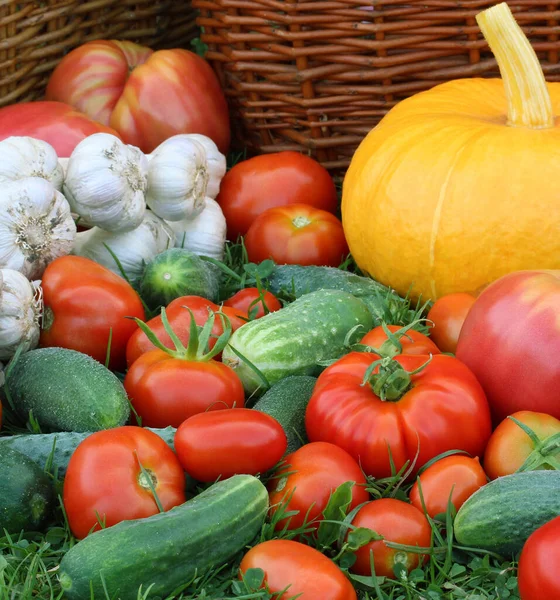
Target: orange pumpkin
x=459, y=185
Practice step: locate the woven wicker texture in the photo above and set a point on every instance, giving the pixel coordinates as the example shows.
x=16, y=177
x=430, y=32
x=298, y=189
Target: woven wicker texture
x=34, y=36
x=316, y=76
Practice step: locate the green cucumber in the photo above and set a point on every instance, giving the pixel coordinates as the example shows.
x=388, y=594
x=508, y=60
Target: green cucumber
x=167, y=550
x=178, y=272
x=26, y=493
x=66, y=390
x=297, y=338
x=501, y=515
x=286, y=401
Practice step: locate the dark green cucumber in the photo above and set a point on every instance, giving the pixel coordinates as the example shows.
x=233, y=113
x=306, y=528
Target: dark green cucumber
x=26, y=493
x=286, y=401
x=296, y=338
x=501, y=515
x=66, y=391
x=167, y=550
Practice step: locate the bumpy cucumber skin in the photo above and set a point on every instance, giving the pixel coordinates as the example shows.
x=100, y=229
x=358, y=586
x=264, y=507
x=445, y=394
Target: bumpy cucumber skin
x=67, y=391
x=501, y=515
x=286, y=401
x=169, y=548
x=26, y=493
x=292, y=340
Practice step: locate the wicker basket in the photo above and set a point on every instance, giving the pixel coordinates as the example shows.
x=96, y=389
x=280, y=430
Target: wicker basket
x=34, y=36
x=316, y=76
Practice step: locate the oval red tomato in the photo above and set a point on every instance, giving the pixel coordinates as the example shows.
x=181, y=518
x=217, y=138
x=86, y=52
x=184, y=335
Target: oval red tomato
x=511, y=342
x=454, y=477
x=311, y=474
x=448, y=315
x=252, y=302
x=397, y=522
x=105, y=481
x=297, y=234
x=254, y=185
x=300, y=568
x=146, y=96
x=85, y=306
x=412, y=342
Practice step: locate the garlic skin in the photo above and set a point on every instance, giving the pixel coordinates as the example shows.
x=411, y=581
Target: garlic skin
x=132, y=248
x=216, y=162
x=35, y=226
x=177, y=179
x=205, y=234
x=20, y=312
x=105, y=183
x=23, y=156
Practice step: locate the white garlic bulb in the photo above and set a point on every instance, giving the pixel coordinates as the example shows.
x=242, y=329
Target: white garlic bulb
x=216, y=162
x=35, y=226
x=105, y=182
x=132, y=248
x=205, y=234
x=22, y=156
x=20, y=312
x=177, y=178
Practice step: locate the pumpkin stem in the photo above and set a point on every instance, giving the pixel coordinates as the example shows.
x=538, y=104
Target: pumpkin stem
x=529, y=103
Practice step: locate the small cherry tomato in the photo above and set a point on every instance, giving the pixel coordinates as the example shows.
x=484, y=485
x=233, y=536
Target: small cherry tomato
x=224, y=443
x=105, y=481
x=250, y=301
x=304, y=571
x=454, y=476
x=448, y=315
x=412, y=342
x=297, y=234
x=398, y=522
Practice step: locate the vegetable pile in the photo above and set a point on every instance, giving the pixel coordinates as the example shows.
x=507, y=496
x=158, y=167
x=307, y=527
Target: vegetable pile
x=205, y=395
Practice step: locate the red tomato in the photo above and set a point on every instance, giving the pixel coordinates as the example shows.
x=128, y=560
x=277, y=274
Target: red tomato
x=311, y=474
x=224, y=443
x=180, y=321
x=250, y=300
x=104, y=476
x=423, y=417
x=146, y=96
x=448, y=315
x=511, y=342
x=254, y=185
x=85, y=304
x=454, y=476
x=297, y=234
x=397, y=522
x=56, y=123
x=305, y=570
x=412, y=342
x=538, y=574
x=509, y=446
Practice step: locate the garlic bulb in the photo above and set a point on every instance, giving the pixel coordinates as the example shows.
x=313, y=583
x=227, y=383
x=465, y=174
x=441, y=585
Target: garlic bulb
x=20, y=311
x=216, y=162
x=22, y=157
x=132, y=248
x=35, y=226
x=105, y=182
x=177, y=179
x=205, y=234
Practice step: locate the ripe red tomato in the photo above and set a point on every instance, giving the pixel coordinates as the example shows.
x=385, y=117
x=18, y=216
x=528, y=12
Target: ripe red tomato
x=412, y=342
x=448, y=315
x=538, y=575
x=166, y=391
x=397, y=522
x=511, y=342
x=311, y=474
x=56, y=123
x=454, y=476
x=146, y=96
x=250, y=300
x=85, y=304
x=509, y=446
x=105, y=478
x=297, y=234
x=254, y=185
x=300, y=568
x=423, y=416
x=224, y=443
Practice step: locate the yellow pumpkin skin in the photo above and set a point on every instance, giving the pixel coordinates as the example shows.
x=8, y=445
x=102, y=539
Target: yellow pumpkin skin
x=444, y=196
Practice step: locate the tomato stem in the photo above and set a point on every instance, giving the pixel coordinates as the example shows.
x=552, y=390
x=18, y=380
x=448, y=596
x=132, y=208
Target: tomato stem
x=543, y=455
x=392, y=345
